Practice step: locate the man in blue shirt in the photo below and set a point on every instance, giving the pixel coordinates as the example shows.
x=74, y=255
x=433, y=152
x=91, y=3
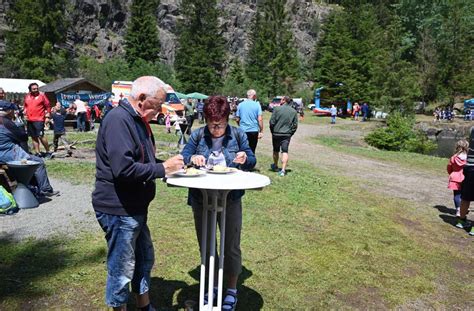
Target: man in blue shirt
x=249, y=118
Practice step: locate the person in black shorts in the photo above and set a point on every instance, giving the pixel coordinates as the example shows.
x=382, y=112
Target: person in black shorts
x=467, y=187
x=283, y=125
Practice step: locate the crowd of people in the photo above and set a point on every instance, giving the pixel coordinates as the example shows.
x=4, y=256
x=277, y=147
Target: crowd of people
x=446, y=113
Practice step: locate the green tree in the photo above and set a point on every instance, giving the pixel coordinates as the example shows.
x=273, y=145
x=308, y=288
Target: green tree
x=200, y=54
x=272, y=63
x=395, y=78
x=141, y=38
x=32, y=46
x=235, y=83
x=334, y=59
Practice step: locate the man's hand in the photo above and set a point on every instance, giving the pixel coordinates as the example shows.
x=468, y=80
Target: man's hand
x=260, y=135
x=240, y=157
x=173, y=164
x=198, y=160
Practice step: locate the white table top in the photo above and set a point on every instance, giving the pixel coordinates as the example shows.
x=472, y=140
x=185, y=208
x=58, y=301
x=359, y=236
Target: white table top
x=235, y=181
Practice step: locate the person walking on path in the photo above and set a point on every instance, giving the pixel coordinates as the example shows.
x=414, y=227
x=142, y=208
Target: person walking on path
x=455, y=168
x=283, y=125
x=168, y=122
x=189, y=114
x=249, y=118
x=227, y=146
x=365, y=112
x=58, y=118
x=333, y=111
x=467, y=187
x=126, y=170
x=37, y=112
x=355, y=111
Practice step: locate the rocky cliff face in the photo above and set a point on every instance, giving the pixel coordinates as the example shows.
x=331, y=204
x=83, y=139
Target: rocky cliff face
x=98, y=26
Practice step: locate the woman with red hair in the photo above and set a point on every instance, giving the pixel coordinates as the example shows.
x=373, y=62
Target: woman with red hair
x=218, y=143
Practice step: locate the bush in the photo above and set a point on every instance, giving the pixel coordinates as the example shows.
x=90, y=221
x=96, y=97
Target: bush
x=400, y=136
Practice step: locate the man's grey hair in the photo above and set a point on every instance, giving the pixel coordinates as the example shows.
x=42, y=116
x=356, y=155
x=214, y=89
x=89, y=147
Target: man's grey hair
x=2, y=90
x=251, y=93
x=148, y=85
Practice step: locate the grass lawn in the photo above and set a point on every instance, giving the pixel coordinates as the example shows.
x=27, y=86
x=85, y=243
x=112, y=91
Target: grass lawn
x=310, y=241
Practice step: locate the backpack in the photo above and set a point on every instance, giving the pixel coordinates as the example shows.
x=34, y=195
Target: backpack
x=7, y=202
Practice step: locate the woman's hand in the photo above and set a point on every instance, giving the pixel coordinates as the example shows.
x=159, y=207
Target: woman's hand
x=240, y=157
x=198, y=160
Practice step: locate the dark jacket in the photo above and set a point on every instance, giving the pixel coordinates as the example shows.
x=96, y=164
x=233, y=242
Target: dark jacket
x=125, y=164
x=470, y=154
x=200, y=142
x=284, y=121
x=58, y=121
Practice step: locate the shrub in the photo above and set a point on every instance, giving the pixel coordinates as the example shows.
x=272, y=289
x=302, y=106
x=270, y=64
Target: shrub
x=399, y=135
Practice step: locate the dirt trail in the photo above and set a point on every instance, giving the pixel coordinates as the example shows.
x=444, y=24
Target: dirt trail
x=382, y=177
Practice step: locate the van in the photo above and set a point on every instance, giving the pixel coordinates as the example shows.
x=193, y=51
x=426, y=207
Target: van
x=172, y=104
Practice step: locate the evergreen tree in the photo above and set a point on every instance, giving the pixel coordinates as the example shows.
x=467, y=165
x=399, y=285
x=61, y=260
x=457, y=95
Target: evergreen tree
x=141, y=39
x=427, y=61
x=38, y=28
x=200, y=55
x=395, y=77
x=272, y=62
x=235, y=83
x=333, y=66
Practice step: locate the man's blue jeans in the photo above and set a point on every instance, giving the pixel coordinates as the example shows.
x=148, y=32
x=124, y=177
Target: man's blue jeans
x=130, y=256
x=41, y=175
x=81, y=121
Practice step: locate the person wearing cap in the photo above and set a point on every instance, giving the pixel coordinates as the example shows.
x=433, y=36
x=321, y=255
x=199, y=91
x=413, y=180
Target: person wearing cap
x=13, y=146
x=37, y=113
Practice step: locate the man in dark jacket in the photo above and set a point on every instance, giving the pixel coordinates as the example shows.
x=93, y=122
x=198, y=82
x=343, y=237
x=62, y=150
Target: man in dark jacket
x=14, y=147
x=283, y=125
x=125, y=172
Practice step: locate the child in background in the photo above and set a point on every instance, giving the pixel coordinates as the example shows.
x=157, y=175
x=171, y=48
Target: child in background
x=168, y=122
x=455, y=171
x=58, y=117
x=177, y=129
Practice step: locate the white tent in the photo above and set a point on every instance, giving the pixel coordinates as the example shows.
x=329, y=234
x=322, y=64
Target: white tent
x=11, y=86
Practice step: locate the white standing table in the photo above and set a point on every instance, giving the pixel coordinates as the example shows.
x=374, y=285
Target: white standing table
x=215, y=188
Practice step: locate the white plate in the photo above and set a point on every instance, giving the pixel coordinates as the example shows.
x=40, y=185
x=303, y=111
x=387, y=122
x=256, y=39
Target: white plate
x=183, y=174
x=230, y=171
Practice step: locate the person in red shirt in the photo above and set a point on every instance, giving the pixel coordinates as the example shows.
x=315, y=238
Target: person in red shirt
x=37, y=112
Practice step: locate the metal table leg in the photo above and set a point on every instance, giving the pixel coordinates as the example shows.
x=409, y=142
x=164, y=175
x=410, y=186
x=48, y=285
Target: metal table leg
x=214, y=201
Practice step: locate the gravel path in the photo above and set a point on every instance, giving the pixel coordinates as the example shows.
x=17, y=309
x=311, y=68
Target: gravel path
x=382, y=177
x=63, y=215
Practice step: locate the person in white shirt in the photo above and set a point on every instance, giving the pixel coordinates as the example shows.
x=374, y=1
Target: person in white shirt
x=80, y=115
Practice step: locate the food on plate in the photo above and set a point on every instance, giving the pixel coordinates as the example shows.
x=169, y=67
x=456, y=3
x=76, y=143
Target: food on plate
x=221, y=168
x=24, y=161
x=192, y=171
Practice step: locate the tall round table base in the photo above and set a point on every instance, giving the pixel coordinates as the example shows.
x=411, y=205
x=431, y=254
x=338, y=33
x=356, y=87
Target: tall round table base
x=24, y=197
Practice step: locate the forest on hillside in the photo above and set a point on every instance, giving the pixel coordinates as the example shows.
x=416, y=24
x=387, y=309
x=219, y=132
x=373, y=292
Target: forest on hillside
x=386, y=52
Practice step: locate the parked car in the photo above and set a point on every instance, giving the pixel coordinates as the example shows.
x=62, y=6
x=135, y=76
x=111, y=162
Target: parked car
x=276, y=102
